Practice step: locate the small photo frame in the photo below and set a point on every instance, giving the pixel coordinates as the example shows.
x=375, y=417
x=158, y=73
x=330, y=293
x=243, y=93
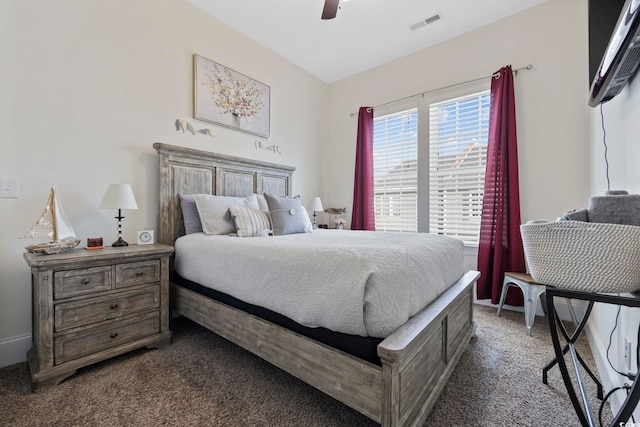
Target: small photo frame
x=94, y=243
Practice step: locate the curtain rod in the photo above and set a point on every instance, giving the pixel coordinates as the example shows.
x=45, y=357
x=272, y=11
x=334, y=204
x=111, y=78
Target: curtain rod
x=494, y=75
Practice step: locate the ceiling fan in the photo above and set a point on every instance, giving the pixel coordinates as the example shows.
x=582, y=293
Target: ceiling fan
x=330, y=9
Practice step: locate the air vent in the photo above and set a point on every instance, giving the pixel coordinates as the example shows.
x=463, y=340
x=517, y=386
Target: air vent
x=417, y=25
x=425, y=22
x=432, y=19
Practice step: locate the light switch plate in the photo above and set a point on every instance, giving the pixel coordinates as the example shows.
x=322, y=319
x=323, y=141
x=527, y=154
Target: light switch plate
x=9, y=188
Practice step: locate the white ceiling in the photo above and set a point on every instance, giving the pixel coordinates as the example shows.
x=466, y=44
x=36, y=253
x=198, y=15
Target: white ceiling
x=365, y=33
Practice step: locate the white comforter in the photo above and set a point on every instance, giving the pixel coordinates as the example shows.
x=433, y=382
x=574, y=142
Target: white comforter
x=356, y=282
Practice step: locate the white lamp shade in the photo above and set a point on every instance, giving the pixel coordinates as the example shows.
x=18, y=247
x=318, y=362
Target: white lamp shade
x=119, y=196
x=317, y=205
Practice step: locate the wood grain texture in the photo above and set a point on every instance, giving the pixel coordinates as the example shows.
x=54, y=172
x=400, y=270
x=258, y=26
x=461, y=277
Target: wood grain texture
x=188, y=171
x=105, y=303
x=412, y=380
x=95, y=310
x=108, y=334
x=80, y=281
x=346, y=378
x=135, y=273
x=417, y=359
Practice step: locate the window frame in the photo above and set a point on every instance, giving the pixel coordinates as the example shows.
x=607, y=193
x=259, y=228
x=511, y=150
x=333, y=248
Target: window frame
x=424, y=140
x=423, y=103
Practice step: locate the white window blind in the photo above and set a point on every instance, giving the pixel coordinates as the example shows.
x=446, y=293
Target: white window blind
x=458, y=133
x=395, y=165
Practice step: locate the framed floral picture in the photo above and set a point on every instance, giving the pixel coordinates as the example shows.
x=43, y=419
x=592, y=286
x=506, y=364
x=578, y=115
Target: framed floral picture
x=227, y=98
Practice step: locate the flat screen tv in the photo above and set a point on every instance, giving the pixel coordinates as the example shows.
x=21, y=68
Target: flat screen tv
x=621, y=56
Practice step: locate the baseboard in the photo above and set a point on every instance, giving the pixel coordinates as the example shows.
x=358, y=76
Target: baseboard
x=14, y=350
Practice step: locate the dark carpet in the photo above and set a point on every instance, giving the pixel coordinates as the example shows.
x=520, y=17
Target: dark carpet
x=203, y=380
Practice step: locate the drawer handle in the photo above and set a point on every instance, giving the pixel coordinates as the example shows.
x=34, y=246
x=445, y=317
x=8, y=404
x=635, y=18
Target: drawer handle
x=139, y=273
x=114, y=306
x=86, y=281
x=114, y=334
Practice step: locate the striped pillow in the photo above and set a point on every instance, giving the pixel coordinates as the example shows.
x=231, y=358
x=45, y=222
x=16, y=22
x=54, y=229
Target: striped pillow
x=250, y=222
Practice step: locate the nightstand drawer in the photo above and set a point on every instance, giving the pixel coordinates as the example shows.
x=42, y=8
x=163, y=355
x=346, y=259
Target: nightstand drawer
x=134, y=273
x=81, y=281
x=72, y=314
x=76, y=345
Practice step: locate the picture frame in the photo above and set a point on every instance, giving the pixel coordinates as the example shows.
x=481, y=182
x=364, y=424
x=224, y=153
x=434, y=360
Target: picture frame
x=227, y=98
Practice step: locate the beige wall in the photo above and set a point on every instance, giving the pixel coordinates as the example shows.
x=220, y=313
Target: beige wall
x=88, y=87
x=551, y=101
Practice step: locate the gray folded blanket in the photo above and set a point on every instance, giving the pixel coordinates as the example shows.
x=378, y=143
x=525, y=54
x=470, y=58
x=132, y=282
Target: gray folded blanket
x=577, y=215
x=616, y=207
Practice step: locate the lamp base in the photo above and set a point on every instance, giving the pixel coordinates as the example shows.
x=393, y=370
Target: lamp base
x=120, y=242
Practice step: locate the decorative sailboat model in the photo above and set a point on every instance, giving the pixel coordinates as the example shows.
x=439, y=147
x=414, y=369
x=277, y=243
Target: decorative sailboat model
x=54, y=225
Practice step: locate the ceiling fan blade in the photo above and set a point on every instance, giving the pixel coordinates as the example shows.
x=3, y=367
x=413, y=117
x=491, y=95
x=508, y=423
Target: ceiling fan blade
x=330, y=9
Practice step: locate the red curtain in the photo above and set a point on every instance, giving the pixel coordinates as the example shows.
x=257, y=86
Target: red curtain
x=363, y=215
x=500, y=247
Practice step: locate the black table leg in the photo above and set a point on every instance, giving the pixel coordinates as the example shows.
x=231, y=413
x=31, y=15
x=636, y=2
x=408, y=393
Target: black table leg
x=584, y=414
x=573, y=339
x=586, y=419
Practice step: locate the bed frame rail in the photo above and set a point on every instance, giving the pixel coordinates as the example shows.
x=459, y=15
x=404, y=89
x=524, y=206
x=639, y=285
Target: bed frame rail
x=417, y=359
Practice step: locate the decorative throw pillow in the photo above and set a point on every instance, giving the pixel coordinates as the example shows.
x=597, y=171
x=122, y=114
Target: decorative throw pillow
x=214, y=211
x=262, y=202
x=288, y=216
x=190, y=216
x=250, y=222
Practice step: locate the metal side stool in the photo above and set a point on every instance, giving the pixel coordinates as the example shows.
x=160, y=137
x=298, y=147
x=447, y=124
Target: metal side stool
x=531, y=290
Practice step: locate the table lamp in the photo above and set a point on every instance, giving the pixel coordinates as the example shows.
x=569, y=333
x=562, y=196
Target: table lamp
x=119, y=196
x=316, y=207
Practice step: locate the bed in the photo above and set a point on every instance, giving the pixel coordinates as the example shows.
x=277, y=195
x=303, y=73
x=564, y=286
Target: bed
x=413, y=362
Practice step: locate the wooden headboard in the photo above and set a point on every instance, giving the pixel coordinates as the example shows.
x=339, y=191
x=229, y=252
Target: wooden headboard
x=188, y=171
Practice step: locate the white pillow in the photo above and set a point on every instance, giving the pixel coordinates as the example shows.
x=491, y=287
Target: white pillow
x=250, y=222
x=214, y=211
x=262, y=202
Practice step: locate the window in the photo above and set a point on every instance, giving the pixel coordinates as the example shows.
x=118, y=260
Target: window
x=451, y=176
x=458, y=133
x=395, y=169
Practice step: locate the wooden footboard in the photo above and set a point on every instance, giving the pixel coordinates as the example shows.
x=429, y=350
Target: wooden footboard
x=417, y=359
x=420, y=356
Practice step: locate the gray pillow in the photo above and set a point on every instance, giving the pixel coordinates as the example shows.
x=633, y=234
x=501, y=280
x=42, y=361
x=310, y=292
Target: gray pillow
x=190, y=215
x=288, y=216
x=214, y=211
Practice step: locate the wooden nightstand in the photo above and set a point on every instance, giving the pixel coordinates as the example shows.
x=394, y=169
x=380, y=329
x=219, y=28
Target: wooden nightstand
x=90, y=305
